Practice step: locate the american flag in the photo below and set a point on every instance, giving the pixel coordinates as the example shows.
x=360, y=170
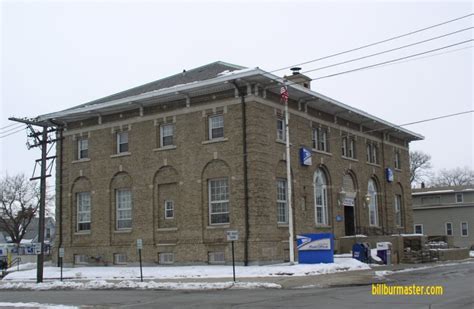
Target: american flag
x=284, y=94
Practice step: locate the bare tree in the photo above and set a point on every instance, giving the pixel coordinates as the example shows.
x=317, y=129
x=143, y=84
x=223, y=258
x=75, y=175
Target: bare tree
x=19, y=201
x=454, y=177
x=420, y=166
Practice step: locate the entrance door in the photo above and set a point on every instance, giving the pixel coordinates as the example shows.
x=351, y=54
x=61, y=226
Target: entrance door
x=349, y=220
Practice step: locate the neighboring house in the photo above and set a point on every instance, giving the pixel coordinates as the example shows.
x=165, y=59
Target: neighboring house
x=179, y=161
x=445, y=211
x=31, y=235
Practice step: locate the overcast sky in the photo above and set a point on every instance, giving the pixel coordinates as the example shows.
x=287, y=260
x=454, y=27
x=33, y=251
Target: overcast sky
x=57, y=54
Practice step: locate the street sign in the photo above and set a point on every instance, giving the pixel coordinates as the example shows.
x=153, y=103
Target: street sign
x=139, y=244
x=232, y=235
x=61, y=252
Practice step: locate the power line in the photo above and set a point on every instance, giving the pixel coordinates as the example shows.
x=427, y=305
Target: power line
x=420, y=58
x=389, y=50
x=2, y=136
x=390, y=61
x=375, y=43
x=19, y=125
x=10, y=125
x=436, y=118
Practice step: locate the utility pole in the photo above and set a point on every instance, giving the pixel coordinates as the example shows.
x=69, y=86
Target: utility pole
x=41, y=139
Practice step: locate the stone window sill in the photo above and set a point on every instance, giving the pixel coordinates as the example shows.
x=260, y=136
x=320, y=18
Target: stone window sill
x=281, y=225
x=81, y=160
x=167, y=229
x=218, y=226
x=321, y=152
x=373, y=164
x=165, y=148
x=122, y=154
x=123, y=231
x=349, y=158
x=82, y=233
x=215, y=140
x=398, y=169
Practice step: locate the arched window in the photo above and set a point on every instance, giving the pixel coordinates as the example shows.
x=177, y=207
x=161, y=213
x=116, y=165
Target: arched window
x=373, y=204
x=320, y=197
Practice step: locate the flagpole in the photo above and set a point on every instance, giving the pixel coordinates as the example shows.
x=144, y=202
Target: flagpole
x=289, y=182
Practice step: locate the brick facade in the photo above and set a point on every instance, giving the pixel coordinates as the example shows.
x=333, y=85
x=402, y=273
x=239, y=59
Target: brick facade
x=181, y=174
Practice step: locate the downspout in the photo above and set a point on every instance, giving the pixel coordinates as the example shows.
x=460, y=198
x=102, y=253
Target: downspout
x=385, y=209
x=246, y=188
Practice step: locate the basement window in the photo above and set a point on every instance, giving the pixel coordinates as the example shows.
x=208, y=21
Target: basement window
x=216, y=257
x=80, y=259
x=166, y=258
x=120, y=258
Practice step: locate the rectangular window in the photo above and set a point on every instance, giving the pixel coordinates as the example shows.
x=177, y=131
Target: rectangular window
x=459, y=198
x=348, y=147
x=281, y=134
x=80, y=259
x=398, y=210
x=320, y=136
x=83, y=211
x=397, y=160
x=166, y=135
x=464, y=229
x=218, y=201
x=344, y=147
x=166, y=258
x=122, y=142
x=120, y=258
x=169, y=209
x=351, y=152
x=216, y=257
x=372, y=153
x=82, y=148
x=418, y=228
x=216, y=127
x=124, y=208
x=282, y=205
x=449, y=228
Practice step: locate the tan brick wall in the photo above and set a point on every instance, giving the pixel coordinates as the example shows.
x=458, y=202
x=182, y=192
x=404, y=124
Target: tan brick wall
x=182, y=174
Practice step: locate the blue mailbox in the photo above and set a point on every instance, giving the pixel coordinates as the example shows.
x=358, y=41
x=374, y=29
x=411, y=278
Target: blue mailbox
x=315, y=248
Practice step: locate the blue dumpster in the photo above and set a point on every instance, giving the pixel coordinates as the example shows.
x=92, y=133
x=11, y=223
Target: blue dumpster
x=315, y=248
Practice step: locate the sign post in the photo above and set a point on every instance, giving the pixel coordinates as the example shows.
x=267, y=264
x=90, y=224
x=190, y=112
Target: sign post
x=232, y=236
x=61, y=256
x=140, y=247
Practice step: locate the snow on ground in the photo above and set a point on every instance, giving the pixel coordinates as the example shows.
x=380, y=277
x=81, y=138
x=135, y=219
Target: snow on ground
x=471, y=254
x=35, y=305
x=128, y=284
x=186, y=272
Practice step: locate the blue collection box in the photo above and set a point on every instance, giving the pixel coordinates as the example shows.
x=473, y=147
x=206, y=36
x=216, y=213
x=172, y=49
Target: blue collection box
x=315, y=248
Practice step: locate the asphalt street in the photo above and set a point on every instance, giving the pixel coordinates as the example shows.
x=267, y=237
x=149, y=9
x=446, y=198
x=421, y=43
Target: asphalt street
x=457, y=281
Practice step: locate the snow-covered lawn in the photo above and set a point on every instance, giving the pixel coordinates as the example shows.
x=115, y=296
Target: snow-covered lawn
x=35, y=305
x=128, y=284
x=114, y=277
x=189, y=272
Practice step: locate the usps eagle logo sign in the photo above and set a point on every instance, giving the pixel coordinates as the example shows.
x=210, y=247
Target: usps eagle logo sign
x=305, y=157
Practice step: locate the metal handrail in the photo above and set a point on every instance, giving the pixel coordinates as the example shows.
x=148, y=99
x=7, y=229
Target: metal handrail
x=15, y=261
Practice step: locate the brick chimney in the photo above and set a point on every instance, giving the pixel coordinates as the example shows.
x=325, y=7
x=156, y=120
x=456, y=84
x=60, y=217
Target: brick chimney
x=298, y=78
